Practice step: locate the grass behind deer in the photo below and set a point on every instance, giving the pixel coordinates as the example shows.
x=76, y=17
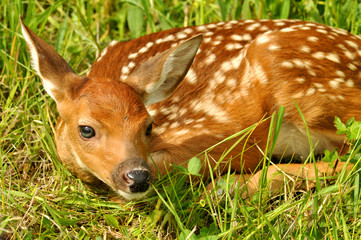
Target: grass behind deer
x=40, y=199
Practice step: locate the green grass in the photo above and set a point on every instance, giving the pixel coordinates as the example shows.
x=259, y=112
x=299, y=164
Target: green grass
x=39, y=199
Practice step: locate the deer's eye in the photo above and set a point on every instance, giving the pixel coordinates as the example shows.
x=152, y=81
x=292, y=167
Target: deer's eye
x=86, y=132
x=148, y=132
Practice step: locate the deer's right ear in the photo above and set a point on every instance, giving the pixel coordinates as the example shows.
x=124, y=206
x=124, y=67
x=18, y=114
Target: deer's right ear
x=58, y=79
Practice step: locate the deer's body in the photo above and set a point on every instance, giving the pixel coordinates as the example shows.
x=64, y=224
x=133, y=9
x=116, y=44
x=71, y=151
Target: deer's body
x=243, y=71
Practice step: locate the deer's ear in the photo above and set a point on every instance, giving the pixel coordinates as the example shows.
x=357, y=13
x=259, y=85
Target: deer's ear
x=58, y=79
x=157, y=78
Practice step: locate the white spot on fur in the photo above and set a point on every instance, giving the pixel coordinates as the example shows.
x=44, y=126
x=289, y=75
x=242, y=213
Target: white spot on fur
x=299, y=63
x=125, y=70
x=306, y=49
x=321, y=26
x=210, y=59
x=301, y=80
x=191, y=76
x=349, y=83
x=227, y=26
x=289, y=29
x=341, y=46
x=264, y=28
x=319, y=85
x=172, y=116
x=310, y=91
x=340, y=97
x=262, y=77
x=207, y=106
x=112, y=43
x=181, y=132
x=169, y=38
x=237, y=37
x=232, y=82
x=280, y=24
x=253, y=26
x=263, y=39
x=319, y=55
x=207, y=40
x=333, y=57
x=349, y=55
x=352, y=67
x=188, y=31
x=310, y=24
x=312, y=39
x=247, y=37
x=202, y=119
x=132, y=55
x=352, y=44
x=215, y=43
x=174, y=125
x=149, y=44
x=340, y=31
x=226, y=66
x=143, y=50
x=102, y=54
x=198, y=125
x=189, y=121
x=182, y=111
x=321, y=31
x=340, y=73
x=181, y=35
x=208, y=34
x=274, y=47
x=201, y=28
x=298, y=95
x=244, y=37
x=236, y=61
x=311, y=72
x=233, y=46
x=287, y=64
x=131, y=65
x=334, y=84
x=332, y=97
x=219, y=37
x=219, y=77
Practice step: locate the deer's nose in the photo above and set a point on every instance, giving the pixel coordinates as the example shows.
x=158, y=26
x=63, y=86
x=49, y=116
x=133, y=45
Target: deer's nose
x=138, y=180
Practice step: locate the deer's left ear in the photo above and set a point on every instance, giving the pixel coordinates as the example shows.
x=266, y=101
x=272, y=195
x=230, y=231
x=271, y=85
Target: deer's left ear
x=58, y=79
x=157, y=77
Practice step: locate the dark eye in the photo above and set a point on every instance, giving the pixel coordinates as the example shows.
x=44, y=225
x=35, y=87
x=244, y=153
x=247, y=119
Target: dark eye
x=148, y=132
x=86, y=132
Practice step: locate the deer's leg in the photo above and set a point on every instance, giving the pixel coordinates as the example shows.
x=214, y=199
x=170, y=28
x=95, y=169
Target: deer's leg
x=297, y=176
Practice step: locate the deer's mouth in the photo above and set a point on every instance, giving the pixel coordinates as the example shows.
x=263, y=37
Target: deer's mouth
x=132, y=196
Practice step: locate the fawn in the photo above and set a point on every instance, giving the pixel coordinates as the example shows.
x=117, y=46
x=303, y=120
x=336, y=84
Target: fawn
x=196, y=86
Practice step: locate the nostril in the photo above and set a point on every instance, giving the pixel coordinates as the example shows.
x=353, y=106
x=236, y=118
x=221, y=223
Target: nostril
x=138, y=180
x=139, y=176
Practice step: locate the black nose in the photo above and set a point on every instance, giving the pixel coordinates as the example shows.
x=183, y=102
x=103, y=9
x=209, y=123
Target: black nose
x=139, y=180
